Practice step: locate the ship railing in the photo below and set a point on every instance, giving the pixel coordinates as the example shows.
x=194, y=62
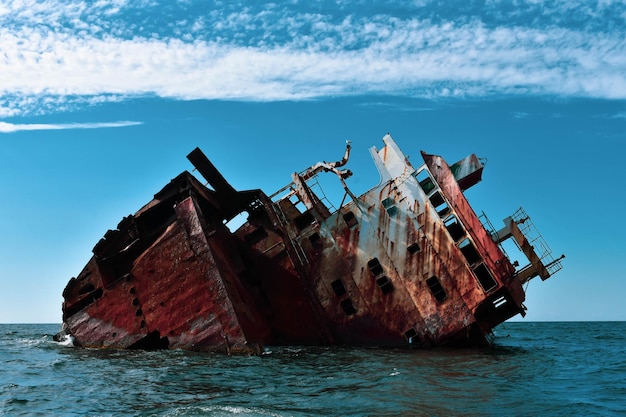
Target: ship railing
x=279, y=195
x=493, y=232
x=520, y=229
x=534, y=241
x=539, y=244
x=487, y=224
x=317, y=189
x=314, y=185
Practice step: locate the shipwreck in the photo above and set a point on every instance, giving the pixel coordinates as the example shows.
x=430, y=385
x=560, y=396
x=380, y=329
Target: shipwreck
x=408, y=263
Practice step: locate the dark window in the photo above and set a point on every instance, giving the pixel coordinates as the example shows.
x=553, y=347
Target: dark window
x=412, y=337
x=387, y=202
x=314, y=238
x=469, y=251
x=436, y=288
x=338, y=287
x=439, y=204
x=375, y=266
x=304, y=220
x=485, y=278
x=350, y=219
x=425, y=181
x=384, y=284
x=454, y=228
x=413, y=248
x=347, y=307
x=390, y=205
x=410, y=333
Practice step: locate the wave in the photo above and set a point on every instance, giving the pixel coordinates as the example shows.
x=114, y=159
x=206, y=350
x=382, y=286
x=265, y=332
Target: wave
x=66, y=340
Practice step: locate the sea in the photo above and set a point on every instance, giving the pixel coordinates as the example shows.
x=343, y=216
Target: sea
x=533, y=369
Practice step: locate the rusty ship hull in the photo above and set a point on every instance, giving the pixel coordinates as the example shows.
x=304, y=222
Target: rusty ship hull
x=408, y=263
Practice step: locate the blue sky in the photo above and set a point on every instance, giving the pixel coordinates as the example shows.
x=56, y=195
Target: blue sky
x=101, y=101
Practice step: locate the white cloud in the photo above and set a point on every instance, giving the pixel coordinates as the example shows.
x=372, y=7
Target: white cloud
x=16, y=127
x=273, y=55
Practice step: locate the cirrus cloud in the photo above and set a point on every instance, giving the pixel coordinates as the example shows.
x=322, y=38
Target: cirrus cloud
x=16, y=127
x=275, y=53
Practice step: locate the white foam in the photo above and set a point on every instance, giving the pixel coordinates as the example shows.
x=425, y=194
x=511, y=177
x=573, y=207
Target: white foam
x=67, y=340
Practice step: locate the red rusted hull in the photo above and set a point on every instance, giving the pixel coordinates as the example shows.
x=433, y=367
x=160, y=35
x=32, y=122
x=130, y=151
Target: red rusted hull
x=407, y=263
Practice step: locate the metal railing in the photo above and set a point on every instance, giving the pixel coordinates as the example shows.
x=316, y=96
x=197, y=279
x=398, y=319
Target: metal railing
x=536, y=240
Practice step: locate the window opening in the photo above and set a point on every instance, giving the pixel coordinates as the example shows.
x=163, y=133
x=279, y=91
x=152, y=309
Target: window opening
x=411, y=336
x=237, y=221
x=297, y=203
x=350, y=219
x=384, y=284
x=413, y=248
x=499, y=302
x=338, y=287
x=390, y=205
x=375, y=266
x=347, y=307
x=455, y=228
x=304, y=220
x=469, y=251
x=314, y=238
x=439, y=204
x=425, y=181
x=436, y=288
x=485, y=278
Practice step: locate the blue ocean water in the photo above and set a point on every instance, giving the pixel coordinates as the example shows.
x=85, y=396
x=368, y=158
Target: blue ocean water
x=547, y=369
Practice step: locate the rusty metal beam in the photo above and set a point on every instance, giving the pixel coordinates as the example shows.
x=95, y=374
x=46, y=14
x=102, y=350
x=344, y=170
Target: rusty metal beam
x=210, y=173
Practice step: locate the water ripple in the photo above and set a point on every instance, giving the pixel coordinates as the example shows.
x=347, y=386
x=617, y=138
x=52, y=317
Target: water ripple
x=534, y=369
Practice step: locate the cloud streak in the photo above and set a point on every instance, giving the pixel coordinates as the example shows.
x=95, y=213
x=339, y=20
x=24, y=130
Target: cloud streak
x=282, y=54
x=17, y=127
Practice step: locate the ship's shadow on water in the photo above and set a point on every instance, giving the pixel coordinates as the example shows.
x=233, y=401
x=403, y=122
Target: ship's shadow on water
x=532, y=369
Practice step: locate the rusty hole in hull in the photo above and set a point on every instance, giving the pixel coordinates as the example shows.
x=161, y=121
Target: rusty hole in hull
x=411, y=336
x=347, y=307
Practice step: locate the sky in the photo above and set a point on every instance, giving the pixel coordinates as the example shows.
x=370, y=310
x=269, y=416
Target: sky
x=101, y=101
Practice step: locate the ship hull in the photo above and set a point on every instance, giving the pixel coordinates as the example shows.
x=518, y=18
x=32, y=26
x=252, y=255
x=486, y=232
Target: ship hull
x=392, y=267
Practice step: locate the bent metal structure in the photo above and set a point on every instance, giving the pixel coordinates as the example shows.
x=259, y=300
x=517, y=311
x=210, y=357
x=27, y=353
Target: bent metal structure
x=407, y=263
